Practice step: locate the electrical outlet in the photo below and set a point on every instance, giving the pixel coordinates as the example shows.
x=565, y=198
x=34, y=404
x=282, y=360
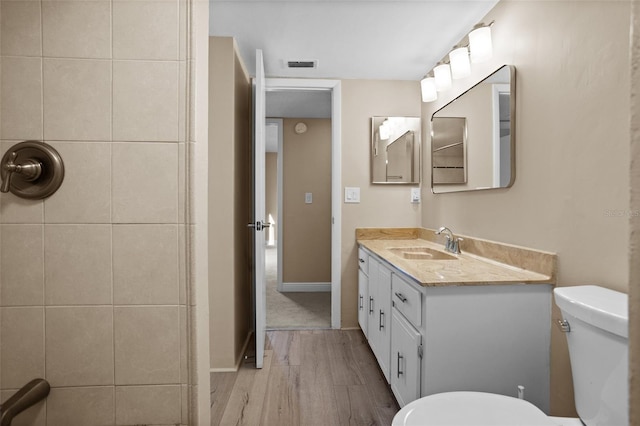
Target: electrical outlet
x=415, y=195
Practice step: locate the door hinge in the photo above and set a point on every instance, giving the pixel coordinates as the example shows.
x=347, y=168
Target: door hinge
x=420, y=351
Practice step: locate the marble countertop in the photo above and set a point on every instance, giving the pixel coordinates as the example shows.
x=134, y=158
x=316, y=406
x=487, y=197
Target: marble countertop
x=524, y=265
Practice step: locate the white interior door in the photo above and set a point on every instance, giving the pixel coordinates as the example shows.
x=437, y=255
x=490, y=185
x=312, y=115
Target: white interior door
x=259, y=224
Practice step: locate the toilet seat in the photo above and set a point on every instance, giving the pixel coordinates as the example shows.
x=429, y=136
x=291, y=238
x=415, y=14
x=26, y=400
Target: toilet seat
x=471, y=409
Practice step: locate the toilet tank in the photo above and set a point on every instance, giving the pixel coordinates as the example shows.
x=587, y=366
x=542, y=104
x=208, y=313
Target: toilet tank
x=598, y=349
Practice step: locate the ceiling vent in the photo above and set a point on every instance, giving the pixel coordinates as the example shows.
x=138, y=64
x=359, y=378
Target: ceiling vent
x=302, y=64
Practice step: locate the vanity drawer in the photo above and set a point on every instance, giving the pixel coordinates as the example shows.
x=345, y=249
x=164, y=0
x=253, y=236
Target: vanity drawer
x=363, y=261
x=407, y=300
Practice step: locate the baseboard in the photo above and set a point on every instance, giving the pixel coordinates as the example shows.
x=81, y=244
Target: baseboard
x=238, y=361
x=306, y=287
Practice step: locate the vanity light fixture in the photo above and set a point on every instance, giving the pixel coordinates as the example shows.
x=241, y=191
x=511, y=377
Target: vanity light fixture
x=442, y=73
x=480, y=43
x=428, y=88
x=460, y=65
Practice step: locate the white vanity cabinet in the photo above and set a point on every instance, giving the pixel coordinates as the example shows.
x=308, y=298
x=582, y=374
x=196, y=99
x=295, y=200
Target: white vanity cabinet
x=363, y=290
x=444, y=338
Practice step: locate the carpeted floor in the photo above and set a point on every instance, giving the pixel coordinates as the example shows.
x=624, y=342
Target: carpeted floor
x=294, y=310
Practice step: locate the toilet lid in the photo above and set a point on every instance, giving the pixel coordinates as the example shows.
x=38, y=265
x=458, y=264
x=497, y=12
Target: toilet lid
x=470, y=409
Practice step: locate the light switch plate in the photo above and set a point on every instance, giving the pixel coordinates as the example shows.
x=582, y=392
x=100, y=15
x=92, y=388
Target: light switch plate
x=308, y=197
x=415, y=195
x=351, y=194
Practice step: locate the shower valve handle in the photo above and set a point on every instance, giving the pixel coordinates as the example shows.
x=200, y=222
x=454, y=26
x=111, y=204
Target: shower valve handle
x=30, y=169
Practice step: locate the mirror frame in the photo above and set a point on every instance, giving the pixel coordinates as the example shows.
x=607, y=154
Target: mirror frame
x=417, y=151
x=512, y=137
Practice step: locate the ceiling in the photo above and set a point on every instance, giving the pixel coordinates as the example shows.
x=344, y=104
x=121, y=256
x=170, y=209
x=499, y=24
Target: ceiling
x=350, y=39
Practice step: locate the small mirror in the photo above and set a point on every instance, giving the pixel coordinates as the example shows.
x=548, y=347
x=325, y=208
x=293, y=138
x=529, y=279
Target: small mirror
x=473, y=137
x=395, y=150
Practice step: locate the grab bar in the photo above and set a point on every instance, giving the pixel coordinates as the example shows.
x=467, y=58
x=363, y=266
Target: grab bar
x=30, y=394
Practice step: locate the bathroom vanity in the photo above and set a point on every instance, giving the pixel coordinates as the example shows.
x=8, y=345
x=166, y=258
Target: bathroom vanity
x=440, y=322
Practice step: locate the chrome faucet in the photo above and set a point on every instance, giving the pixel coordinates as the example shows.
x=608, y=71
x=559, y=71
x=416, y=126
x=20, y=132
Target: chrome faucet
x=452, y=245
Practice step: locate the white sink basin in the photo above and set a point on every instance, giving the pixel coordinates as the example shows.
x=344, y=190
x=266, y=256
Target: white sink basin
x=421, y=253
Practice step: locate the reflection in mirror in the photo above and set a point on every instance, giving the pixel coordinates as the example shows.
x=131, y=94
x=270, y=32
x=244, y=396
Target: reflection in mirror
x=482, y=119
x=395, y=150
x=448, y=140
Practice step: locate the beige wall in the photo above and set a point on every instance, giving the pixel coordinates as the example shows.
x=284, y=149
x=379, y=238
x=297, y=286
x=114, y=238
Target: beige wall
x=572, y=153
x=229, y=211
x=271, y=187
x=93, y=279
x=634, y=231
x=380, y=205
x=306, y=227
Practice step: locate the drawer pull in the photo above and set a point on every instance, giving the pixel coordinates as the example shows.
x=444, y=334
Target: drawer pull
x=400, y=357
x=401, y=297
x=381, y=318
x=360, y=306
x=370, y=304
x=361, y=260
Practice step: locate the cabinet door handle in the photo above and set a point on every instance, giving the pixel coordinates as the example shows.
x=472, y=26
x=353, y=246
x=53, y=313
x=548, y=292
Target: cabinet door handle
x=361, y=260
x=370, y=304
x=381, y=319
x=401, y=296
x=400, y=358
x=360, y=307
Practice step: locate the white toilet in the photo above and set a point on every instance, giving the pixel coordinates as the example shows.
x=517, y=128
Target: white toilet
x=598, y=349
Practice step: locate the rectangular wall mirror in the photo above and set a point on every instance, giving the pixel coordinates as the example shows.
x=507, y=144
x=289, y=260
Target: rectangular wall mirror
x=473, y=137
x=395, y=150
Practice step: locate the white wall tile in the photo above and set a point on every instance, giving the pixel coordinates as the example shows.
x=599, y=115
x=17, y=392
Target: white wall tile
x=147, y=405
x=20, y=24
x=145, y=101
x=21, y=109
x=79, y=346
x=77, y=99
x=145, y=29
x=76, y=29
x=22, y=271
x=85, y=193
x=145, y=264
x=82, y=406
x=78, y=264
x=147, y=345
x=22, y=350
x=145, y=180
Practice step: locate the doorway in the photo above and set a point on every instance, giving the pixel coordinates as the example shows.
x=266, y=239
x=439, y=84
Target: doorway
x=317, y=299
x=298, y=206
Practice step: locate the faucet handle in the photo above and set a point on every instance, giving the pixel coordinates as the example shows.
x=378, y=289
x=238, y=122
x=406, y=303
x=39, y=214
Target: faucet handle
x=8, y=168
x=455, y=246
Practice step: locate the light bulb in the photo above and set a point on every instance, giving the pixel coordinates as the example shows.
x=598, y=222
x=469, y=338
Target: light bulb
x=442, y=75
x=460, y=65
x=428, y=88
x=383, y=131
x=480, y=44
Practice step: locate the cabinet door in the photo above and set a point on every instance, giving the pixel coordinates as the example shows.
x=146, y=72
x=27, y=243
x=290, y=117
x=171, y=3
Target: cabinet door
x=383, y=313
x=371, y=305
x=363, y=301
x=405, y=360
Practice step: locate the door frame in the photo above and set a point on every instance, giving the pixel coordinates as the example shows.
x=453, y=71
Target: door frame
x=334, y=86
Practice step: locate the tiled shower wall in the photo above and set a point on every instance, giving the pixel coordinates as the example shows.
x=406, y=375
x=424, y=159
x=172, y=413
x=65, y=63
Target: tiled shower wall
x=93, y=281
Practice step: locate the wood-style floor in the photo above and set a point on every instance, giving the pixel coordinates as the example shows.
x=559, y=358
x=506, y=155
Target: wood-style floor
x=309, y=377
